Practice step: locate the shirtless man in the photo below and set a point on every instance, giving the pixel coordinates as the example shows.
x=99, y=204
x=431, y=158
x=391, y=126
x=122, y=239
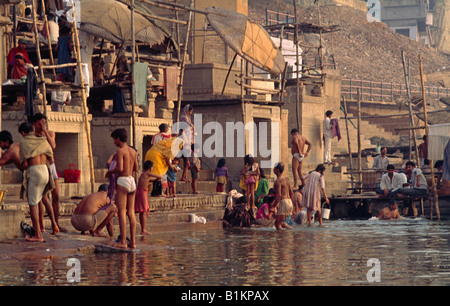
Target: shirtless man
x=34, y=153
x=41, y=129
x=12, y=153
x=389, y=213
x=126, y=165
x=284, y=195
x=94, y=212
x=298, y=154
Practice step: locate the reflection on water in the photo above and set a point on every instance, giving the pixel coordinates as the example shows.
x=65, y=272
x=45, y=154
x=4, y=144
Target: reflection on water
x=411, y=252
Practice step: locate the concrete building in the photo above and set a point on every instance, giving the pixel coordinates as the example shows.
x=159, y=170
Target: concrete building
x=411, y=18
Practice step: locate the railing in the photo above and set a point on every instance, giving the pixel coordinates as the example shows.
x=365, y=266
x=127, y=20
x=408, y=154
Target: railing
x=276, y=17
x=387, y=92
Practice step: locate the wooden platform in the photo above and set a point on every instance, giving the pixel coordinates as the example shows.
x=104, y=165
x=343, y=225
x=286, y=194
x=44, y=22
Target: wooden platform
x=360, y=206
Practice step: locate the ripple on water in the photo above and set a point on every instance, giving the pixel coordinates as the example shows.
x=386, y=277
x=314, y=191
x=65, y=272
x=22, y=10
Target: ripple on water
x=410, y=252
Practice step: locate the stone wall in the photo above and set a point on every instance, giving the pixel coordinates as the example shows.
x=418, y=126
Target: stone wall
x=314, y=101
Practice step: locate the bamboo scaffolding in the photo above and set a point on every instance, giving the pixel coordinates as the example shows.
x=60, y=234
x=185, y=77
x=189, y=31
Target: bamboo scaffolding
x=38, y=52
x=411, y=119
x=52, y=61
x=133, y=66
x=348, y=139
x=359, y=142
x=84, y=100
x=258, y=89
x=183, y=62
x=434, y=195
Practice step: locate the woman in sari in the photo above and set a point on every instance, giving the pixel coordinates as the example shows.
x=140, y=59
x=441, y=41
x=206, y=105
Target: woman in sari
x=162, y=153
x=20, y=68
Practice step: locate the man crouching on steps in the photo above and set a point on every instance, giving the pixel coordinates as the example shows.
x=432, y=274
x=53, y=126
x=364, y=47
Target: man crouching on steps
x=126, y=166
x=95, y=212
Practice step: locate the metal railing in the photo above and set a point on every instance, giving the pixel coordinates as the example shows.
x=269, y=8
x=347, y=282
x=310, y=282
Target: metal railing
x=387, y=92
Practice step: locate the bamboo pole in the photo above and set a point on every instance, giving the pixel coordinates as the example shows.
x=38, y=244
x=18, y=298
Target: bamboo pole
x=161, y=18
x=411, y=119
x=434, y=195
x=183, y=62
x=115, y=63
x=282, y=87
x=259, y=89
x=84, y=100
x=38, y=52
x=242, y=93
x=56, y=66
x=228, y=73
x=133, y=84
x=52, y=61
x=359, y=142
x=348, y=139
x=297, y=88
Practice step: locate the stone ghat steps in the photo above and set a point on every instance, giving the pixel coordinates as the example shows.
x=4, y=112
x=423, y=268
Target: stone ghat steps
x=179, y=207
x=335, y=179
x=12, y=185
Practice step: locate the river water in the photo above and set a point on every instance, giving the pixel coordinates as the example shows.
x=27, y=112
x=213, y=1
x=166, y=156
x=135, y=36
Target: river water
x=343, y=252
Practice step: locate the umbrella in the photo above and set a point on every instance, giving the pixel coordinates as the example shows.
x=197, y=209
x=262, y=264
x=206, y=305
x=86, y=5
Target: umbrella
x=111, y=20
x=247, y=38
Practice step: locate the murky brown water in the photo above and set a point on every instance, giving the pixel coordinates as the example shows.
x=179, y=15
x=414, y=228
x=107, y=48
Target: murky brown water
x=410, y=252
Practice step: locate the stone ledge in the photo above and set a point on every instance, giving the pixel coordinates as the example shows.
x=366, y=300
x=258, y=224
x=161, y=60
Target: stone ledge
x=182, y=204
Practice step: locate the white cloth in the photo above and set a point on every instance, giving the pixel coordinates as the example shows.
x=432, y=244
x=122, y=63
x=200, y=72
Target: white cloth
x=87, y=44
x=85, y=70
x=438, y=137
x=397, y=181
x=327, y=149
x=299, y=157
x=53, y=28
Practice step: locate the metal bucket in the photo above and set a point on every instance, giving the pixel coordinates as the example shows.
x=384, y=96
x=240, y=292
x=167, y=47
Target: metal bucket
x=326, y=211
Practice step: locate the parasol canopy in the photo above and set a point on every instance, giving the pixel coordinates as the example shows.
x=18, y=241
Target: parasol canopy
x=247, y=38
x=111, y=20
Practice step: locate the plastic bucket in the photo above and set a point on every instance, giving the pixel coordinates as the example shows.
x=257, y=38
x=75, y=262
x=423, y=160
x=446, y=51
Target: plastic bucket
x=326, y=211
x=192, y=218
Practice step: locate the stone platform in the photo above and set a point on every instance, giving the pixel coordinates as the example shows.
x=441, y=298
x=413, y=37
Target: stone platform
x=165, y=213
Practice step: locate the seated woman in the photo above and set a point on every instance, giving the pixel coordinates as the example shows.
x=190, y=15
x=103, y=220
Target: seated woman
x=266, y=213
x=20, y=67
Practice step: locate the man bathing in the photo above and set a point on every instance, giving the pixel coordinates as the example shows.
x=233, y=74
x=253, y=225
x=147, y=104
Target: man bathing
x=283, y=198
x=390, y=212
x=126, y=166
x=94, y=212
x=298, y=154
